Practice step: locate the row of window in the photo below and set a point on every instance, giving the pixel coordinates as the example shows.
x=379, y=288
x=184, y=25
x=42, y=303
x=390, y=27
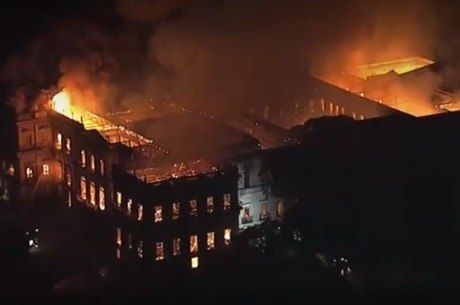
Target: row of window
x=335, y=109
x=83, y=156
x=264, y=214
x=159, y=246
x=92, y=193
x=158, y=213
x=30, y=173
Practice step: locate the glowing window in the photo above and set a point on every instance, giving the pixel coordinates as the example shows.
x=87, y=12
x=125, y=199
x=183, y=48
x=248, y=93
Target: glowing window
x=194, y=262
x=280, y=209
x=361, y=117
x=92, y=162
x=92, y=193
x=130, y=241
x=193, y=207
x=118, y=251
x=68, y=177
x=210, y=240
x=175, y=210
x=83, y=158
x=210, y=204
x=227, y=236
x=227, y=201
x=101, y=198
x=119, y=237
x=140, y=212
x=159, y=251
x=140, y=249
x=29, y=172
x=264, y=211
x=158, y=213
x=45, y=169
x=129, y=206
x=119, y=199
x=59, y=141
x=247, y=217
x=83, y=188
x=176, y=246
x=194, y=244
x=101, y=167
x=68, y=145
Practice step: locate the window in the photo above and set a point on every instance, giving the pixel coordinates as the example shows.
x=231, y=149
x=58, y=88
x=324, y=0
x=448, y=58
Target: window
x=227, y=201
x=264, y=211
x=210, y=240
x=119, y=199
x=119, y=237
x=280, y=209
x=194, y=262
x=83, y=188
x=45, y=169
x=101, y=198
x=247, y=218
x=130, y=241
x=210, y=204
x=176, y=246
x=59, y=141
x=101, y=167
x=129, y=206
x=194, y=244
x=158, y=213
x=140, y=249
x=227, y=236
x=83, y=158
x=29, y=140
x=140, y=212
x=68, y=177
x=361, y=117
x=29, y=172
x=68, y=145
x=193, y=207
x=118, y=253
x=175, y=210
x=159, y=251
x=92, y=193
x=92, y=163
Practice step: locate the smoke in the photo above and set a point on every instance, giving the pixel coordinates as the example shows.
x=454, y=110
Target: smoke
x=219, y=55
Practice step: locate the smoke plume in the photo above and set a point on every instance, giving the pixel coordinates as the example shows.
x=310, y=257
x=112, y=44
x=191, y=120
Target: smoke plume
x=219, y=55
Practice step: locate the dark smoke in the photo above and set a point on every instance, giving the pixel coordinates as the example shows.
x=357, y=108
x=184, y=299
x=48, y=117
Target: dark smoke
x=221, y=54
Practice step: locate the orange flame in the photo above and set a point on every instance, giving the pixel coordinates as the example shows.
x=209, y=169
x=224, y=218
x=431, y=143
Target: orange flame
x=61, y=102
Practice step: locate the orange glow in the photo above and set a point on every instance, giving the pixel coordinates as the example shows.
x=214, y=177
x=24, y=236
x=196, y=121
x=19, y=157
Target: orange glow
x=61, y=102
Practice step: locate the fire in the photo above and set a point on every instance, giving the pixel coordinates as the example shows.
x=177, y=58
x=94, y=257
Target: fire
x=62, y=103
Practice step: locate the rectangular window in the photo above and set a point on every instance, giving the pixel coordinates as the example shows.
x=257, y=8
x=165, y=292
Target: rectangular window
x=140, y=249
x=119, y=199
x=140, y=212
x=280, y=209
x=129, y=206
x=175, y=210
x=227, y=236
x=83, y=158
x=210, y=204
x=68, y=145
x=227, y=201
x=176, y=246
x=101, y=198
x=92, y=163
x=92, y=193
x=194, y=262
x=45, y=169
x=247, y=217
x=193, y=207
x=158, y=216
x=68, y=177
x=59, y=141
x=194, y=244
x=130, y=241
x=210, y=240
x=83, y=188
x=159, y=251
x=101, y=167
x=29, y=172
x=264, y=211
x=119, y=237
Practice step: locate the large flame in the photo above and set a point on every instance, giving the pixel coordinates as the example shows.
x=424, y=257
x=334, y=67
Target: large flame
x=62, y=103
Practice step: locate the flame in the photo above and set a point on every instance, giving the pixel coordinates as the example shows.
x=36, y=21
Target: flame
x=61, y=102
